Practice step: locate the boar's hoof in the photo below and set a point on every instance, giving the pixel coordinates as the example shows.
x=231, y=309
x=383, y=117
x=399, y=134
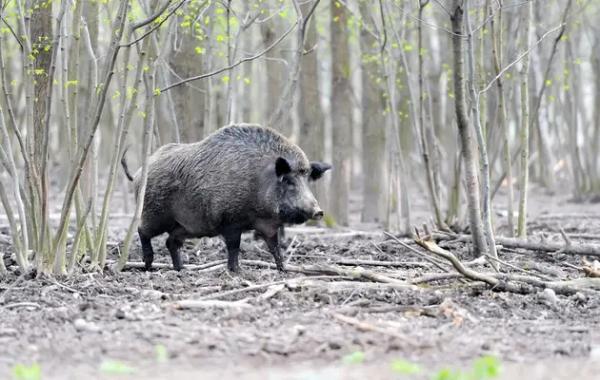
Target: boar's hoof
x=234, y=269
x=178, y=267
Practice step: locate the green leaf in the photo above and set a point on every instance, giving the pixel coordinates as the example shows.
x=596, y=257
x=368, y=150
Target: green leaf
x=156, y=91
x=486, y=367
x=23, y=372
x=448, y=374
x=404, y=367
x=115, y=367
x=329, y=221
x=356, y=357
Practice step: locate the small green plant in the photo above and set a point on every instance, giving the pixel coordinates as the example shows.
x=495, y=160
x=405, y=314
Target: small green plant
x=162, y=356
x=404, y=367
x=486, y=367
x=483, y=368
x=115, y=367
x=448, y=374
x=356, y=357
x=329, y=221
x=23, y=372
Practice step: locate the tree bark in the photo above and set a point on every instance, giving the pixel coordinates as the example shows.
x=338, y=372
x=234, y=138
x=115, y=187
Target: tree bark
x=525, y=41
x=310, y=112
x=464, y=129
x=341, y=109
x=188, y=99
x=374, y=172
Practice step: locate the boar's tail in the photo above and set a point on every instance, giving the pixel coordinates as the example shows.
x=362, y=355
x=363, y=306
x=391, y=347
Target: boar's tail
x=124, y=165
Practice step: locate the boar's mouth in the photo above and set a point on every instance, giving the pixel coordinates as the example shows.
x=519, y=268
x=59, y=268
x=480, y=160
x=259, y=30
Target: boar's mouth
x=294, y=216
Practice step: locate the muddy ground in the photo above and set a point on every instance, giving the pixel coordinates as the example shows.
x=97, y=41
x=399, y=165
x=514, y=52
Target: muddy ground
x=306, y=326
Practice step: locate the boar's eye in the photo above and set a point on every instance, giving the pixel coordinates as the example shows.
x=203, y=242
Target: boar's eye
x=289, y=182
x=303, y=172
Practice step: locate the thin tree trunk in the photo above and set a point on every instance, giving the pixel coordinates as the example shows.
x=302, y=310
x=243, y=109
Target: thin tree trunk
x=497, y=61
x=424, y=126
x=341, y=108
x=188, y=98
x=374, y=173
x=464, y=129
x=483, y=151
x=310, y=113
x=534, y=119
x=525, y=41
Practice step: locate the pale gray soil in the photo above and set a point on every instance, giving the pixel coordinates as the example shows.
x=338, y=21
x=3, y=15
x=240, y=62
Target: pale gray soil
x=74, y=327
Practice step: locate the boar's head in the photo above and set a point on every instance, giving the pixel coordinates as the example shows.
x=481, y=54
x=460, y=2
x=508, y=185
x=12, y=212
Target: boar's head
x=296, y=202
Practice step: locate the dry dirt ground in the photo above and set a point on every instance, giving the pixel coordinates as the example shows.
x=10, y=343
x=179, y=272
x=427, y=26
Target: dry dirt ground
x=305, y=326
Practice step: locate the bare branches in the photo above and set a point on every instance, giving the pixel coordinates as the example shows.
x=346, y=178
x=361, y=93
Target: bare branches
x=155, y=16
x=287, y=97
x=236, y=64
x=520, y=57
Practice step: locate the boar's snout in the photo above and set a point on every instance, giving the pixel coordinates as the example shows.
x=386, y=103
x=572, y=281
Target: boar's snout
x=317, y=213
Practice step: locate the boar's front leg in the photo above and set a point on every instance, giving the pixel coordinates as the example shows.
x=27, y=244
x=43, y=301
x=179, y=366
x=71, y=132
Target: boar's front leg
x=174, y=243
x=232, y=241
x=273, y=244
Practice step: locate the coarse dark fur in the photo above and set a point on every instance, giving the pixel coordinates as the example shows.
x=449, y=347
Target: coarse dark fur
x=242, y=177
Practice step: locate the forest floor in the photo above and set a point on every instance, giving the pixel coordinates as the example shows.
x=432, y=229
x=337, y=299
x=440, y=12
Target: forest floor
x=270, y=325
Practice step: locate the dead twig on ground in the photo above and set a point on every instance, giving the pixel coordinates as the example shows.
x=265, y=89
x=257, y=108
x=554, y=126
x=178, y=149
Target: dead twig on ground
x=22, y=304
x=421, y=254
x=432, y=277
x=209, y=304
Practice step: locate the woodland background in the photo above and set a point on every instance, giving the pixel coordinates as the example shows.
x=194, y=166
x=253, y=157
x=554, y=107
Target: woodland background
x=452, y=101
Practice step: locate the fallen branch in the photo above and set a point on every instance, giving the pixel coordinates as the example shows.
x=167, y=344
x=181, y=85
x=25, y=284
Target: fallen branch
x=375, y=263
x=22, y=304
x=510, y=282
x=208, y=304
x=432, y=247
x=568, y=249
x=421, y=254
x=141, y=265
x=355, y=273
x=432, y=277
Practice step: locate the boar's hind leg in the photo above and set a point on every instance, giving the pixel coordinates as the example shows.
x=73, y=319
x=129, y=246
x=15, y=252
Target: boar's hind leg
x=174, y=243
x=232, y=241
x=147, y=251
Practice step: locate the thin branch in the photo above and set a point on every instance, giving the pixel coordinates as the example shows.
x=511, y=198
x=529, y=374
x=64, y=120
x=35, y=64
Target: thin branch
x=519, y=58
x=12, y=32
x=234, y=65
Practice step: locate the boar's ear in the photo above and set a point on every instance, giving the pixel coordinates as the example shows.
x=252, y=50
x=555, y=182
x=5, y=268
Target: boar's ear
x=282, y=166
x=317, y=169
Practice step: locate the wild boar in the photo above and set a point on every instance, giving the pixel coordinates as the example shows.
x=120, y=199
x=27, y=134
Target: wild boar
x=242, y=177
